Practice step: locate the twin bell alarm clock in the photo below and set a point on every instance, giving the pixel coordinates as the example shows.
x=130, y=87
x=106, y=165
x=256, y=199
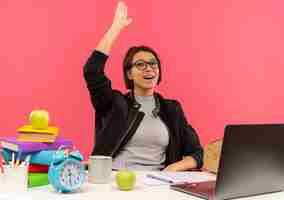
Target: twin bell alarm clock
x=66, y=173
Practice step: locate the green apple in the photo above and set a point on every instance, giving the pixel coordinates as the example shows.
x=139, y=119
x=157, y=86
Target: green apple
x=125, y=179
x=39, y=119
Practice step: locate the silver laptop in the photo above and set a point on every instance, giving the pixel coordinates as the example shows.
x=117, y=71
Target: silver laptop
x=251, y=163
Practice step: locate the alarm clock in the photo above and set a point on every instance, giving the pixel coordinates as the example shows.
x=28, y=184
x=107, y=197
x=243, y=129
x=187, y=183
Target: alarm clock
x=66, y=173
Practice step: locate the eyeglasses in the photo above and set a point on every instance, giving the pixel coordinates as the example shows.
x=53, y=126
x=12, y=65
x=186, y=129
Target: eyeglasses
x=142, y=64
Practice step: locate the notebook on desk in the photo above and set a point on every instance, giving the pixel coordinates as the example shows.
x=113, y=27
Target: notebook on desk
x=165, y=177
x=251, y=163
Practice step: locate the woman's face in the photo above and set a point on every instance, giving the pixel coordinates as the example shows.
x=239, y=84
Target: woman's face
x=144, y=72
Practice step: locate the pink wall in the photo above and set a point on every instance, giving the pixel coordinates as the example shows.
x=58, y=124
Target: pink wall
x=222, y=59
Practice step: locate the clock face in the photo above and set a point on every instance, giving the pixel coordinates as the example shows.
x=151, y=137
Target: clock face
x=72, y=175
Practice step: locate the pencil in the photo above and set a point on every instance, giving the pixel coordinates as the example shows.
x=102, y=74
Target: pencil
x=18, y=159
x=13, y=160
x=1, y=162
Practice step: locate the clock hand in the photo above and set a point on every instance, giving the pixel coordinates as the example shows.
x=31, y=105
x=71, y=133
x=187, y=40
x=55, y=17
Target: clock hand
x=69, y=178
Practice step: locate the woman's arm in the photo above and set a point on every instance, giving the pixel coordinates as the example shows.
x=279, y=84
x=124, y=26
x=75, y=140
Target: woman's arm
x=98, y=84
x=191, y=147
x=120, y=21
x=188, y=162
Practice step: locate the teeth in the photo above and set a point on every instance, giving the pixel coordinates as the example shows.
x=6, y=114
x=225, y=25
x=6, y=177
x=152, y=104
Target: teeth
x=148, y=77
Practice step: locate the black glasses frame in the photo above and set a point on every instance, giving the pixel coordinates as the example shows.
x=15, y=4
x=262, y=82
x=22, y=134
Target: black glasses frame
x=142, y=64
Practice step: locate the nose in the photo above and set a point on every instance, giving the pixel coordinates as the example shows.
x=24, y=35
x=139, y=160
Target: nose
x=148, y=67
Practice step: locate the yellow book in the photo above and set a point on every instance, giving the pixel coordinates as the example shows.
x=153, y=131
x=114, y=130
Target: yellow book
x=36, y=137
x=53, y=130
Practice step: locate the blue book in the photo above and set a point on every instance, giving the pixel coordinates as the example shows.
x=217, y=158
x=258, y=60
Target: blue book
x=43, y=157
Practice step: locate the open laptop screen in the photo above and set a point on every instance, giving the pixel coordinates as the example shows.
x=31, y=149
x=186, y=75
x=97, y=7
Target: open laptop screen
x=252, y=162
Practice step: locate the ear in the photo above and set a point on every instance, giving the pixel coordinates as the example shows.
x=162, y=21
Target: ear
x=129, y=75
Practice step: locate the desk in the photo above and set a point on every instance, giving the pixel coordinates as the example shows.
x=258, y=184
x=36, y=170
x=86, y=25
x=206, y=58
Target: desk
x=110, y=191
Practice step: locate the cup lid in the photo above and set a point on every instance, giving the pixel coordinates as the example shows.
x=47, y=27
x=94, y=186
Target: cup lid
x=100, y=157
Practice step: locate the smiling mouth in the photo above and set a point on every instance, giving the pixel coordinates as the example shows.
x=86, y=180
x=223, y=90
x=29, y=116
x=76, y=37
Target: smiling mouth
x=149, y=77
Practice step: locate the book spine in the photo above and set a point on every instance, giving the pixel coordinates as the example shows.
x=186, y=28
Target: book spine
x=36, y=168
x=37, y=179
x=12, y=144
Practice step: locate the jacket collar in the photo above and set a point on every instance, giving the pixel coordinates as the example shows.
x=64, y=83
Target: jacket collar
x=134, y=104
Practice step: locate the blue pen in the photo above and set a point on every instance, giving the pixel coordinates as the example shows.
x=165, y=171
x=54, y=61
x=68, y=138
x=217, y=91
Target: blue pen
x=157, y=177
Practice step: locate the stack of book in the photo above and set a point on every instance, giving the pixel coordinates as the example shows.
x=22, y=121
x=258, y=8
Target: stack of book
x=37, y=175
x=40, y=144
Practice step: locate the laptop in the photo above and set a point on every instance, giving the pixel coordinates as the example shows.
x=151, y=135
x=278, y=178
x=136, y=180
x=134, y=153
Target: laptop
x=251, y=163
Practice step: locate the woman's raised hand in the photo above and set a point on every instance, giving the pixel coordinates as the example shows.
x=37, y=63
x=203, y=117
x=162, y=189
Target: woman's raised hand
x=121, y=19
x=119, y=22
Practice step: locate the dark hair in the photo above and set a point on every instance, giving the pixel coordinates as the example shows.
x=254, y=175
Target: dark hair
x=127, y=63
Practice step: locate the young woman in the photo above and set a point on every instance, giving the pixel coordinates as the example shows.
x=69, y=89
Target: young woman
x=140, y=129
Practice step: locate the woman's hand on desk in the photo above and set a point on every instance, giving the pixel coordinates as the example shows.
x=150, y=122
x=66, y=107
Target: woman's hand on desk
x=185, y=164
x=171, y=168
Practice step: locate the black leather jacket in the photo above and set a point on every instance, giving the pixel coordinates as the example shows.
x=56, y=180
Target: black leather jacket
x=118, y=116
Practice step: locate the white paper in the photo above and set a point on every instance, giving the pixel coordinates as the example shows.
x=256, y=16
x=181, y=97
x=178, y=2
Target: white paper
x=178, y=177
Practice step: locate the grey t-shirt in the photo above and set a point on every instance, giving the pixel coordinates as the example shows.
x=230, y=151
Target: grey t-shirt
x=147, y=148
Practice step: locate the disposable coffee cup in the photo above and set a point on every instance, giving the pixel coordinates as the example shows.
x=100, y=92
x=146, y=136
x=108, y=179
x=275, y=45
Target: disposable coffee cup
x=100, y=168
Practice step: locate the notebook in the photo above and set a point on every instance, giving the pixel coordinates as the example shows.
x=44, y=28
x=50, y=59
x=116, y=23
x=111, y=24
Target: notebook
x=53, y=130
x=165, y=177
x=38, y=168
x=251, y=163
x=13, y=144
x=36, y=137
x=37, y=179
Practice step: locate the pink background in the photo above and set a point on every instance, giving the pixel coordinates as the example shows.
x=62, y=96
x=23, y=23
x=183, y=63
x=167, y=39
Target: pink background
x=222, y=59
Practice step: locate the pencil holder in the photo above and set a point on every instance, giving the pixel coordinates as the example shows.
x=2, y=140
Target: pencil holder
x=14, y=179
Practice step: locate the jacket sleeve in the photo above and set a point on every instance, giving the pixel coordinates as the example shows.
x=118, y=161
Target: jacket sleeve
x=98, y=84
x=190, y=140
